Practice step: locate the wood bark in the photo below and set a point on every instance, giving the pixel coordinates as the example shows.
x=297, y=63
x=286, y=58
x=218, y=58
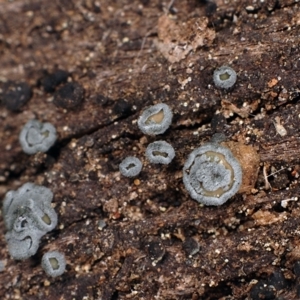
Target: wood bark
x=145, y=238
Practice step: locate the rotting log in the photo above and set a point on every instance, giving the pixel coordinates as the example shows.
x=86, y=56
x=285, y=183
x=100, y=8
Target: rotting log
x=157, y=243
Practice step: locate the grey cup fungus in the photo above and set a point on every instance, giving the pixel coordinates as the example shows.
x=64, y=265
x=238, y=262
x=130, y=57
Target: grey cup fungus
x=130, y=167
x=54, y=263
x=211, y=174
x=37, y=137
x=28, y=216
x=160, y=152
x=224, y=77
x=155, y=119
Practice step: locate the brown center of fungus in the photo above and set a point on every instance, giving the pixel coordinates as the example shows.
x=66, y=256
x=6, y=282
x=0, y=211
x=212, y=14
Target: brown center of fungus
x=224, y=76
x=54, y=263
x=158, y=153
x=156, y=118
x=213, y=156
x=46, y=219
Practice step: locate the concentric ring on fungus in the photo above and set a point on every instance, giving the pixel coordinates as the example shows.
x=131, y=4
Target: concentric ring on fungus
x=211, y=174
x=130, y=166
x=160, y=152
x=37, y=137
x=155, y=119
x=54, y=263
x=224, y=77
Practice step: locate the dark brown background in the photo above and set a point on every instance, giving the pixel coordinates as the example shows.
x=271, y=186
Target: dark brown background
x=122, y=56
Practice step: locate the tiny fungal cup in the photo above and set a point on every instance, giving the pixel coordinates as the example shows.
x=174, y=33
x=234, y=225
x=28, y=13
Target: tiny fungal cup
x=22, y=248
x=37, y=137
x=27, y=215
x=211, y=174
x=130, y=167
x=155, y=119
x=160, y=152
x=54, y=263
x=224, y=77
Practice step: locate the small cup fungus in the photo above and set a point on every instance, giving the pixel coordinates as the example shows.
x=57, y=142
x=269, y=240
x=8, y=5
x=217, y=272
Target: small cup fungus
x=28, y=215
x=211, y=174
x=131, y=166
x=54, y=263
x=155, y=119
x=37, y=137
x=224, y=77
x=23, y=248
x=160, y=152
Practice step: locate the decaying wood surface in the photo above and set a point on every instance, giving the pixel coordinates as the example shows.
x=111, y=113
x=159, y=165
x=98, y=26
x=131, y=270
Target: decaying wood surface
x=145, y=238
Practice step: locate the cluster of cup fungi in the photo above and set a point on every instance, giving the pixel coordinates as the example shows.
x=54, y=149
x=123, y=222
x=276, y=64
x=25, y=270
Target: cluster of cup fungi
x=27, y=212
x=154, y=120
x=211, y=175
